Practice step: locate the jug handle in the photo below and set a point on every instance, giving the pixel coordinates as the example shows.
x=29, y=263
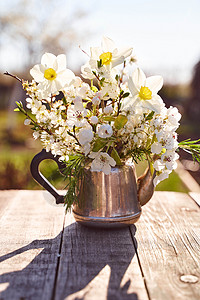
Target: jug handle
x=37, y=175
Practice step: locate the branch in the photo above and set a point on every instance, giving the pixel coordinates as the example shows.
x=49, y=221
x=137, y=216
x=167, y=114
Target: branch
x=13, y=76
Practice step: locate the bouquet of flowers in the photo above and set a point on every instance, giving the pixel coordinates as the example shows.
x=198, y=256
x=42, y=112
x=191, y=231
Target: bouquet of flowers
x=118, y=116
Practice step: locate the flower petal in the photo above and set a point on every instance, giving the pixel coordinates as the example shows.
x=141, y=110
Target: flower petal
x=107, y=44
x=112, y=162
x=95, y=52
x=48, y=60
x=117, y=61
x=106, y=169
x=154, y=106
x=37, y=72
x=133, y=88
x=125, y=52
x=138, y=78
x=62, y=62
x=65, y=77
x=154, y=83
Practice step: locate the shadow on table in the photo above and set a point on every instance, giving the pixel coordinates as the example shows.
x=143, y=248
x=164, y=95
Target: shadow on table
x=85, y=254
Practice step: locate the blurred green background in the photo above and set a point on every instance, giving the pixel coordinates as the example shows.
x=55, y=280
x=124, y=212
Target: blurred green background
x=169, y=48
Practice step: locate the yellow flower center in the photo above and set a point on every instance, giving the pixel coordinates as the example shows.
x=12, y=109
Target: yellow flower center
x=106, y=58
x=50, y=74
x=145, y=93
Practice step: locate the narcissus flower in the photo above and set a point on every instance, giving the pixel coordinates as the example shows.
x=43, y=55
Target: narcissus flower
x=144, y=91
x=108, y=53
x=52, y=74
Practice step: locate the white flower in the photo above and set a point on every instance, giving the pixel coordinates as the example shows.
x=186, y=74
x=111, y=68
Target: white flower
x=169, y=159
x=173, y=116
x=108, y=53
x=94, y=120
x=158, y=165
x=108, y=110
x=102, y=162
x=36, y=135
x=105, y=131
x=168, y=139
x=96, y=100
x=52, y=73
x=76, y=115
x=27, y=122
x=144, y=91
x=85, y=136
x=161, y=177
x=86, y=71
x=156, y=148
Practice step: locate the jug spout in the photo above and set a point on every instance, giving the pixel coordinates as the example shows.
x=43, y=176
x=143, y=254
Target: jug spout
x=145, y=187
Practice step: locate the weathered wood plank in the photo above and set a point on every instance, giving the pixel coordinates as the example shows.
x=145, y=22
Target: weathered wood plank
x=168, y=236
x=30, y=238
x=98, y=264
x=195, y=197
x=6, y=197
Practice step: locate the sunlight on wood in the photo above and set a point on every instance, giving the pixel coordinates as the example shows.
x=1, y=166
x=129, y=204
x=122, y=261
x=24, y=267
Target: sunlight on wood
x=98, y=287
x=20, y=261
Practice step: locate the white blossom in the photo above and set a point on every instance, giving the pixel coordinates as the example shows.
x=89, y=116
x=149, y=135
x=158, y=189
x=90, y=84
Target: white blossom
x=105, y=131
x=85, y=136
x=102, y=162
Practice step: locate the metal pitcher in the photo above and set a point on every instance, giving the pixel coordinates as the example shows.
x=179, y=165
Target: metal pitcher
x=112, y=200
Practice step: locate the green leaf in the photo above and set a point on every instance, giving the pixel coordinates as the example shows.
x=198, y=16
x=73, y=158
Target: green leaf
x=99, y=63
x=115, y=156
x=109, y=118
x=125, y=95
x=17, y=109
x=102, y=81
x=120, y=121
x=117, y=77
x=150, y=116
x=64, y=101
x=99, y=144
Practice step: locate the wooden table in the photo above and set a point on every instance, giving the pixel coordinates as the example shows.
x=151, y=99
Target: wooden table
x=46, y=255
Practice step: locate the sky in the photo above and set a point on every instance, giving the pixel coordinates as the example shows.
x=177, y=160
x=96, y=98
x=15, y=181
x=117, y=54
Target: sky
x=165, y=35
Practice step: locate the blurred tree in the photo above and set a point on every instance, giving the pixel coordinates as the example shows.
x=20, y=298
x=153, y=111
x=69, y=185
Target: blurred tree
x=33, y=27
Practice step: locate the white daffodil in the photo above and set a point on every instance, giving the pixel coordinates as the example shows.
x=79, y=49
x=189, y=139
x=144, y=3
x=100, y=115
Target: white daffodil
x=102, y=162
x=144, y=91
x=52, y=74
x=109, y=55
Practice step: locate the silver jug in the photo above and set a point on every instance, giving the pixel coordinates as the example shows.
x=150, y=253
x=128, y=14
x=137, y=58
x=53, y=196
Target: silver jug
x=112, y=200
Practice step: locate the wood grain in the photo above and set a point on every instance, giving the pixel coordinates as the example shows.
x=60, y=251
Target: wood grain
x=195, y=197
x=30, y=238
x=98, y=264
x=168, y=236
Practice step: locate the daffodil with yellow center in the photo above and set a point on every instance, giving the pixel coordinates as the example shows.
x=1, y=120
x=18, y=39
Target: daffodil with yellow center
x=145, y=93
x=50, y=74
x=106, y=58
x=143, y=89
